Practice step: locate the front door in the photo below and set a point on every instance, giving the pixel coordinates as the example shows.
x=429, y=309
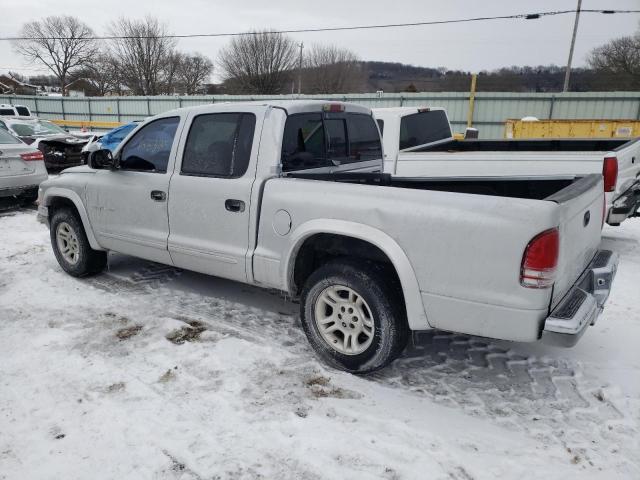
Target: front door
x=128, y=205
x=209, y=210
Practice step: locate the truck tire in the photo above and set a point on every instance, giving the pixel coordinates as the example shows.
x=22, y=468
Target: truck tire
x=71, y=246
x=354, y=316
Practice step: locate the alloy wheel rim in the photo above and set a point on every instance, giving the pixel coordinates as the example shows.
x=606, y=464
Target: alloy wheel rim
x=344, y=320
x=68, y=244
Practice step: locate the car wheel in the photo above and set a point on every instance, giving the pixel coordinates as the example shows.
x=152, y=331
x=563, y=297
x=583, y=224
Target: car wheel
x=354, y=316
x=71, y=246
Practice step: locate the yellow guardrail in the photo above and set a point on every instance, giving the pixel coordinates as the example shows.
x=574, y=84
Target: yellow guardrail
x=86, y=124
x=572, y=129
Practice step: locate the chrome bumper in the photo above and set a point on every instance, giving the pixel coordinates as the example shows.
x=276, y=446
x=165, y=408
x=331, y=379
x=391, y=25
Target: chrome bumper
x=625, y=206
x=582, y=305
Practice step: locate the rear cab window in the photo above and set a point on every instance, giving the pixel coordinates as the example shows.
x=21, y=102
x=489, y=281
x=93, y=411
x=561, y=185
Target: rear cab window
x=23, y=111
x=423, y=128
x=317, y=140
x=7, y=111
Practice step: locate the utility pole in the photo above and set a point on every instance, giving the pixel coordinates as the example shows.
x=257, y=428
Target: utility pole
x=300, y=68
x=567, y=74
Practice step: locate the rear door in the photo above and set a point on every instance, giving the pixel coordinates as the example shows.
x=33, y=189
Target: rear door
x=580, y=225
x=210, y=193
x=128, y=205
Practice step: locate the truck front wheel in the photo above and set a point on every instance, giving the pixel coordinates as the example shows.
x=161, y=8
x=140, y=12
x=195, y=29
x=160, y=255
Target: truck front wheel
x=353, y=316
x=71, y=246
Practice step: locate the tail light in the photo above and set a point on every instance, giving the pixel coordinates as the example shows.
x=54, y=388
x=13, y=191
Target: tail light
x=540, y=260
x=610, y=173
x=32, y=156
x=333, y=107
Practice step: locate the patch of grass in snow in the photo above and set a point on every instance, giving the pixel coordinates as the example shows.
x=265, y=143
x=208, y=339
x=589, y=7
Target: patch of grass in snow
x=189, y=333
x=320, y=387
x=128, y=332
x=167, y=376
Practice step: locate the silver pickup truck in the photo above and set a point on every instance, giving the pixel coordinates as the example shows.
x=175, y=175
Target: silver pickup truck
x=291, y=195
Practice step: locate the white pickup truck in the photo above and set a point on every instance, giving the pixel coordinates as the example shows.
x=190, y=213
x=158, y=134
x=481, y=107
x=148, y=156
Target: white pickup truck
x=419, y=142
x=290, y=195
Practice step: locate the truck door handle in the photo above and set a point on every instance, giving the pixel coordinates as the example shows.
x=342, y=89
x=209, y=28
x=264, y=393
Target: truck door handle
x=158, y=195
x=234, y=205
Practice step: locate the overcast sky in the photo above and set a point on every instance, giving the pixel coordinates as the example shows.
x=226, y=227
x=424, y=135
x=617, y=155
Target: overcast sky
x=470, y=46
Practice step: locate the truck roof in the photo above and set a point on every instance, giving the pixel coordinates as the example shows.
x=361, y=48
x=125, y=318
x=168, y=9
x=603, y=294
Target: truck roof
x=402, y=111
x=291, y=106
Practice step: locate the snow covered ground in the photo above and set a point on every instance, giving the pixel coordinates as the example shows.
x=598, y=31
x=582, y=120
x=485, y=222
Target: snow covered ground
x=148, y=372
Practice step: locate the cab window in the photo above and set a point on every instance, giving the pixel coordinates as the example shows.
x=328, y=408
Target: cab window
x=304, y=144
x=149, y=149
x=364, y=139
x=219, y=145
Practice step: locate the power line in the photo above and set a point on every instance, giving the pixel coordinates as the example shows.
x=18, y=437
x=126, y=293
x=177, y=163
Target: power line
x=521, y=16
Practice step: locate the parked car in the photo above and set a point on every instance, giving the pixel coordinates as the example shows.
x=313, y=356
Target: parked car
x=14, y=110
x=418, y=142
x=109, y=140
x=60, y=148
x=290, y=195
x=21, y=169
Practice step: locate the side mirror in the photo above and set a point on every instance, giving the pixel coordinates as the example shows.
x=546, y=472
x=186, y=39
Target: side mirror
x=101, y=159
x=471, y=134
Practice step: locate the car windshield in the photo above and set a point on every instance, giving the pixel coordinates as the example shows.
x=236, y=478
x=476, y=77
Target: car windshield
x=37, y=128
x=6, y=138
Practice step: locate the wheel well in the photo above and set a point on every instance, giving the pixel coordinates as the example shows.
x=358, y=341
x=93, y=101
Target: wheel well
x=324, y=247
x=61, y=202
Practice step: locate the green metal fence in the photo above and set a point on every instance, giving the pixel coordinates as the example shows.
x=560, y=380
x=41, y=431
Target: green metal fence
x=490, y=111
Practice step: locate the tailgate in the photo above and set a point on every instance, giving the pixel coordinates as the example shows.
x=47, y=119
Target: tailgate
x=580, y=226
x=10, y=162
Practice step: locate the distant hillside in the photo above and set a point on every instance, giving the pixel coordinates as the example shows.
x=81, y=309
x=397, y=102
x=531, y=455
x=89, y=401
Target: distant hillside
x=397, y=77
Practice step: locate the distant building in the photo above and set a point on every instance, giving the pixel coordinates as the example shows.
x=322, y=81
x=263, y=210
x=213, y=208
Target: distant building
x=10, y=85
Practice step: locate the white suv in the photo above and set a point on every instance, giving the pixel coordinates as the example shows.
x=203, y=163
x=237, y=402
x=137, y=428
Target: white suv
x=14, y=110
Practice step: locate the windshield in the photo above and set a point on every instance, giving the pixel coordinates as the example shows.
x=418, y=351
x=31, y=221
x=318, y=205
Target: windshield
x=34, y=129
x=7, y=138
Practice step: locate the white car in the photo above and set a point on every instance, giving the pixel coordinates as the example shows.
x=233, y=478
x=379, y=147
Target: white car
x=21, y=168
x=419, y=142
x=290, y=195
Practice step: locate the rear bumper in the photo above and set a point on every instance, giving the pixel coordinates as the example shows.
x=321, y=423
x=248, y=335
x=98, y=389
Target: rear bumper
x=625, y=206
x=582, y=305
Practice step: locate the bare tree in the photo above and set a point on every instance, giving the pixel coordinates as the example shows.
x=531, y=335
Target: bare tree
x=103, y=74
x=195, y=70
x=143, y=53
x=330, y=69
x=63, y=44
x=258, y=62
x=619, y=56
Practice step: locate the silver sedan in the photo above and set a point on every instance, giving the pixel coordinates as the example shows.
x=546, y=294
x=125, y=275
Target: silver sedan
x=22, y=168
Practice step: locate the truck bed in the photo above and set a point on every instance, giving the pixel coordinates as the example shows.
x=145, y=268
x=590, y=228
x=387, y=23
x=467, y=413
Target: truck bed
x=530, y=189
x=529, y=145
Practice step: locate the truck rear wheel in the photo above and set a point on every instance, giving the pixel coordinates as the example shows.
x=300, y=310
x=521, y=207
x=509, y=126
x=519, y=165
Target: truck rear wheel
x=353, y=316
x=71, y=246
